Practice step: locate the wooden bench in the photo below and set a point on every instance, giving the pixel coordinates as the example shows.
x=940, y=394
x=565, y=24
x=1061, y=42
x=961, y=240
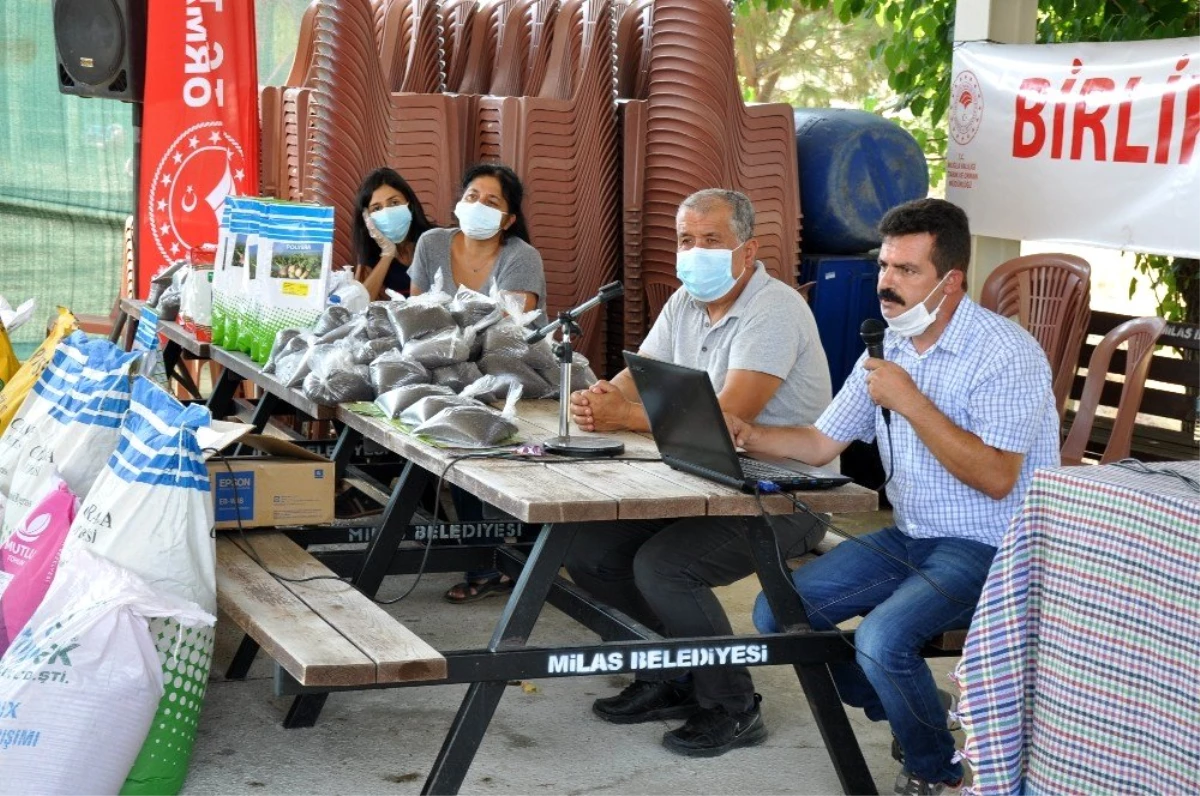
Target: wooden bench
x=948, y=644
x=322, y=632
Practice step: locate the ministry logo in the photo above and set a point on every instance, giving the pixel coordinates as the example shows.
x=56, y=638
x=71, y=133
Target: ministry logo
x=202, y=166
x=966, y=107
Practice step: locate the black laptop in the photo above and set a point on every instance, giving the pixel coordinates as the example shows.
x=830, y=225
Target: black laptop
x=690, y=430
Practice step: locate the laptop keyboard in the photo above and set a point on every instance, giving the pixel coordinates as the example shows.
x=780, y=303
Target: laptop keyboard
x=762, y=471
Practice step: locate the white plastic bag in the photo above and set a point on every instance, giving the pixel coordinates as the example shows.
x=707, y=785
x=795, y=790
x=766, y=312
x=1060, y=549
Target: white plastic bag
x=150, y=511
x=81, y=683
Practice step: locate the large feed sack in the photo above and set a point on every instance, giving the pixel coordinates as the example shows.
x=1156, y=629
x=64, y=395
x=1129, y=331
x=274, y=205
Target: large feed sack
x=150, y=511
x=103, y=383
x=29, y=559
x=18, y=387
x=82, y=681
x=53, y=389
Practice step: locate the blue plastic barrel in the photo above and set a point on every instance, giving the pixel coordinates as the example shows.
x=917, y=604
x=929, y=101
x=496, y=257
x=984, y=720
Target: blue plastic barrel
x=854, y=167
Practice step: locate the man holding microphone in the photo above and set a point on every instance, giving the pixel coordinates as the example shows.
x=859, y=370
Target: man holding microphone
x=972, y=415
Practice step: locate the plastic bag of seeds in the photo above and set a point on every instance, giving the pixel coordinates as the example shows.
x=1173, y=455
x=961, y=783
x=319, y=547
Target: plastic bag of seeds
x=457, y=376
x=333, y=317
x=364, y=352
x=534, y=383
x=466, y=426
x=472, y=308
x=582, y=376
x=393, y=402
x=420, y=411
x=377, y=322
x=490, y=389
x=341, y=385
x=393, y=369
x=419, y=317
x=282, y=338
x=444, y=348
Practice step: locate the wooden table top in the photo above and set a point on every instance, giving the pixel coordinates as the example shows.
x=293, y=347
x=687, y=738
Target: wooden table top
x=569, y=490
x=250, y=370
x=169, y=329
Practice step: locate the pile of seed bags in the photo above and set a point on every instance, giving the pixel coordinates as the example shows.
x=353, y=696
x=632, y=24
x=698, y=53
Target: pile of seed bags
x=434, y=362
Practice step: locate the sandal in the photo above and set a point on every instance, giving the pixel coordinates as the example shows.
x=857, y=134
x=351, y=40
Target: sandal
x=469, y=592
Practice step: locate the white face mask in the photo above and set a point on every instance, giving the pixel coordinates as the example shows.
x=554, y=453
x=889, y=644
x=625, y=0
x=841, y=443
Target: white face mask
x=707, y=274
x=916, y=319
x=478, y=221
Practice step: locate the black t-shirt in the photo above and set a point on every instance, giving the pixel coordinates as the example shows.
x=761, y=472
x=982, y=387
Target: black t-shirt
x=397, y=278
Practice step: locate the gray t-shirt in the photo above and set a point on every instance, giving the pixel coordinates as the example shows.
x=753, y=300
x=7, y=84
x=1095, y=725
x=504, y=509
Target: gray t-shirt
x=769, y=329
x=518, y=267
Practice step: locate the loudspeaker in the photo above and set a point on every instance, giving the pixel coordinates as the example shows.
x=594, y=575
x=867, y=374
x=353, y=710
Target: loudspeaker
x=101, y=47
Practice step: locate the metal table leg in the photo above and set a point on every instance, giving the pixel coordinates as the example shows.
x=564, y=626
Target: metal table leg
x=822, y=695
x=220, y=400
x=479, y=705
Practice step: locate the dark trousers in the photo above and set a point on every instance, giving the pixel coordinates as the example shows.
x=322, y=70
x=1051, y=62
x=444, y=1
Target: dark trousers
x=661, y=573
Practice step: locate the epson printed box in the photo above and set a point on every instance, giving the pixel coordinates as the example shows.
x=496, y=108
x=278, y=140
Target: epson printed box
x=287, y=486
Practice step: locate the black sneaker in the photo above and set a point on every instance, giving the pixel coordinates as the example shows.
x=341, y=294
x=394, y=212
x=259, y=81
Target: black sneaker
x=712, y=731
x=647, y=700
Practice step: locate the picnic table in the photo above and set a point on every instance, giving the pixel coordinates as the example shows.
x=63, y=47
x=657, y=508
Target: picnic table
x=325, y=636
x=1079, y=672
x=551, y=492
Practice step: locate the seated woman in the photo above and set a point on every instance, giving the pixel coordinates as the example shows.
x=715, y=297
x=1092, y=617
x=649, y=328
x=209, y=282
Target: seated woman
x=490, y=246
x=387, y=224
x=488, y=249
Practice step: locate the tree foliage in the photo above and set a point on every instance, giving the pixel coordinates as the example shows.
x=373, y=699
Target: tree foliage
x=916, y=47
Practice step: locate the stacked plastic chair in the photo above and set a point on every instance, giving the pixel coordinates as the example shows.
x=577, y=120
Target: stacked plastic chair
x=633, y=69
x=563, y=143
x=285, y=111
x=699, y=134
x=458, y=20
x=409, y=40
x=522, y=30
x=360, y=124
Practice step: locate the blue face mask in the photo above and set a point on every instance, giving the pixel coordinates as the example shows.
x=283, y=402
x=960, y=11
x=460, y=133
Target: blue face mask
x=393, y=222
x=707, y=274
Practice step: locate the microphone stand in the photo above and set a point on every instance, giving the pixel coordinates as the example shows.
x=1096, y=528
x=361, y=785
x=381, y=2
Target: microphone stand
x=564, y=444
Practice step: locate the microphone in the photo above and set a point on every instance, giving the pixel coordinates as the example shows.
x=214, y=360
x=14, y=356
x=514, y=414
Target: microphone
x=871, y=331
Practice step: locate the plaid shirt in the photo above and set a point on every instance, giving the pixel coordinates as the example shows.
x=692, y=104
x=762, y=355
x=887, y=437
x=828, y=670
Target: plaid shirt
x=989, y=377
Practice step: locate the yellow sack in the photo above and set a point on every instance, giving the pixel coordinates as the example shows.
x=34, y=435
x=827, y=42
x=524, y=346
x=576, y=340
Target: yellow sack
x=16, y=388
x=8, y=358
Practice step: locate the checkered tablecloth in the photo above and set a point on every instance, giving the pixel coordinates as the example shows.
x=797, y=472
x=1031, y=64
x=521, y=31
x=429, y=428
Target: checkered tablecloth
x=1081, y=671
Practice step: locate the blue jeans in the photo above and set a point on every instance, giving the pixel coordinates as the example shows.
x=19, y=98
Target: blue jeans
x=902, y=611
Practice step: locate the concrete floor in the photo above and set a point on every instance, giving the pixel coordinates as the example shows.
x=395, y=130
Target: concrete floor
x=543, y=739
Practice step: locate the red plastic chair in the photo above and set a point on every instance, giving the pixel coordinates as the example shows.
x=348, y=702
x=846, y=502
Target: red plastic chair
x=1049, y=296
x=1139, y=335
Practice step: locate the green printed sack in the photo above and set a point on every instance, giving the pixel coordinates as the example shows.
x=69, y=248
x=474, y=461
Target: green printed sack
x=294, y=259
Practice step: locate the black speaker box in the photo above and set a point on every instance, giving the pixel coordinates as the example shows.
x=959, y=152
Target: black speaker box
x=101, y=47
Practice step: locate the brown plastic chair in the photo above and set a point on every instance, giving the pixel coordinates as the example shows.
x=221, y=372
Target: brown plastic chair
x=1140, y=335
x=1049, y=296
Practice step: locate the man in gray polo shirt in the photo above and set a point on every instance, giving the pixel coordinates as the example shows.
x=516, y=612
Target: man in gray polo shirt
x=756, y=338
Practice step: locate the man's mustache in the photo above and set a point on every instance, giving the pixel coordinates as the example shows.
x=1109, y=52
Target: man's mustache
x=887, y=294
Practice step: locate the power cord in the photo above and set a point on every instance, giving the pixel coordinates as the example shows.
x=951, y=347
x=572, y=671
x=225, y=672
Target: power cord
x=1137, y=466
x=522, y=453
x=770, y=487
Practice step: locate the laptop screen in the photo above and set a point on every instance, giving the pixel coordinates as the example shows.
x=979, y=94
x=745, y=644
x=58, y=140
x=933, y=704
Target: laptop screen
x=685, y=417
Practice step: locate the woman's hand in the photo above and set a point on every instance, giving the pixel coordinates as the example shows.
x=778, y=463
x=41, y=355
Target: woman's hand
x=387, y=249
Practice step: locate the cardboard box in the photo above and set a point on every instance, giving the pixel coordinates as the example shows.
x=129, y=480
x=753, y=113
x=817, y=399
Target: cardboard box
x=288, y=486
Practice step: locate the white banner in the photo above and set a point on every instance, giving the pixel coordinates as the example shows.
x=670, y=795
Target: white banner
x=1093, y=144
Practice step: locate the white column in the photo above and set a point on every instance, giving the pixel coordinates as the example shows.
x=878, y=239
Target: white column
x=1004, y=22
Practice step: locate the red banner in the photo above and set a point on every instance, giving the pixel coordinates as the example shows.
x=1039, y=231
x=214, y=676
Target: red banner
x=200, y=125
